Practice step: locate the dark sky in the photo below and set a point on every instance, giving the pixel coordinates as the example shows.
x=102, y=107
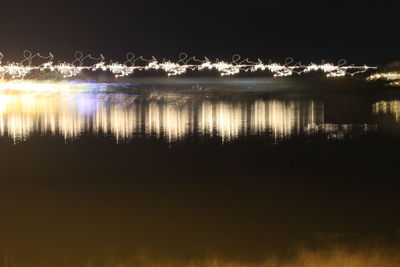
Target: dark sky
x=253, y=28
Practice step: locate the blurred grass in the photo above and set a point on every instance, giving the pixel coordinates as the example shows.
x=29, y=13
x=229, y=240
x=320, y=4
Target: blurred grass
x=332, y=257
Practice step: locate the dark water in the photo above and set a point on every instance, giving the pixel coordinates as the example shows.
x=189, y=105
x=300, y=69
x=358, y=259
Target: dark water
x=239, y=169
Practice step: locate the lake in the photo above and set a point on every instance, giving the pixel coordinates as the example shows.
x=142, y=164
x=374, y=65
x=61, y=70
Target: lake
x=238, y=169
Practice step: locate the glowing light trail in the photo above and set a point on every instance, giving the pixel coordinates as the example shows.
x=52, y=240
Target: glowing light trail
x=132, y=64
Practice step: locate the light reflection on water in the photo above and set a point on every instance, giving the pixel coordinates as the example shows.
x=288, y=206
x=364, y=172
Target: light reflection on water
x=170, y=116
x=387, y=107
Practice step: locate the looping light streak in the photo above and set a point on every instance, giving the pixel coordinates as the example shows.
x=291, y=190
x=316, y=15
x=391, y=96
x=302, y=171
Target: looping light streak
x=20, y=70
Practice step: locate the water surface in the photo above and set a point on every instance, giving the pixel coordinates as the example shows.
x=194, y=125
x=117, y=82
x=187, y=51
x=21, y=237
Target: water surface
x=182, y=170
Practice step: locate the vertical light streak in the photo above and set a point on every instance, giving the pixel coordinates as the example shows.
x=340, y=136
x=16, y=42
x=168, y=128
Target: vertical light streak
x=387, y=107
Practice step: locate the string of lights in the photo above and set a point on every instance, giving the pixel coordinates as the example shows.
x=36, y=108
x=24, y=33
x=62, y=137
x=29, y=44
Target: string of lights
x=132, y=64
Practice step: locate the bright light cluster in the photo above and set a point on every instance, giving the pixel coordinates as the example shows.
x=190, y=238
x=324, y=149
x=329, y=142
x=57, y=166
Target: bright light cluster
x=393, y=77
x=132, y=64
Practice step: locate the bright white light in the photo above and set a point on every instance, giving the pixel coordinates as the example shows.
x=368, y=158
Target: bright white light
x=25, y=67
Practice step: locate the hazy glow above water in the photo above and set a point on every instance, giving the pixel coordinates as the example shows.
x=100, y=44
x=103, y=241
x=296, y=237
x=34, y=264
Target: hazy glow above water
x=393, y=77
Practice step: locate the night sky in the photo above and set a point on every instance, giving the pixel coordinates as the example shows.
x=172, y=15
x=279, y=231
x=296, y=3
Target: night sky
x=304, y=30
